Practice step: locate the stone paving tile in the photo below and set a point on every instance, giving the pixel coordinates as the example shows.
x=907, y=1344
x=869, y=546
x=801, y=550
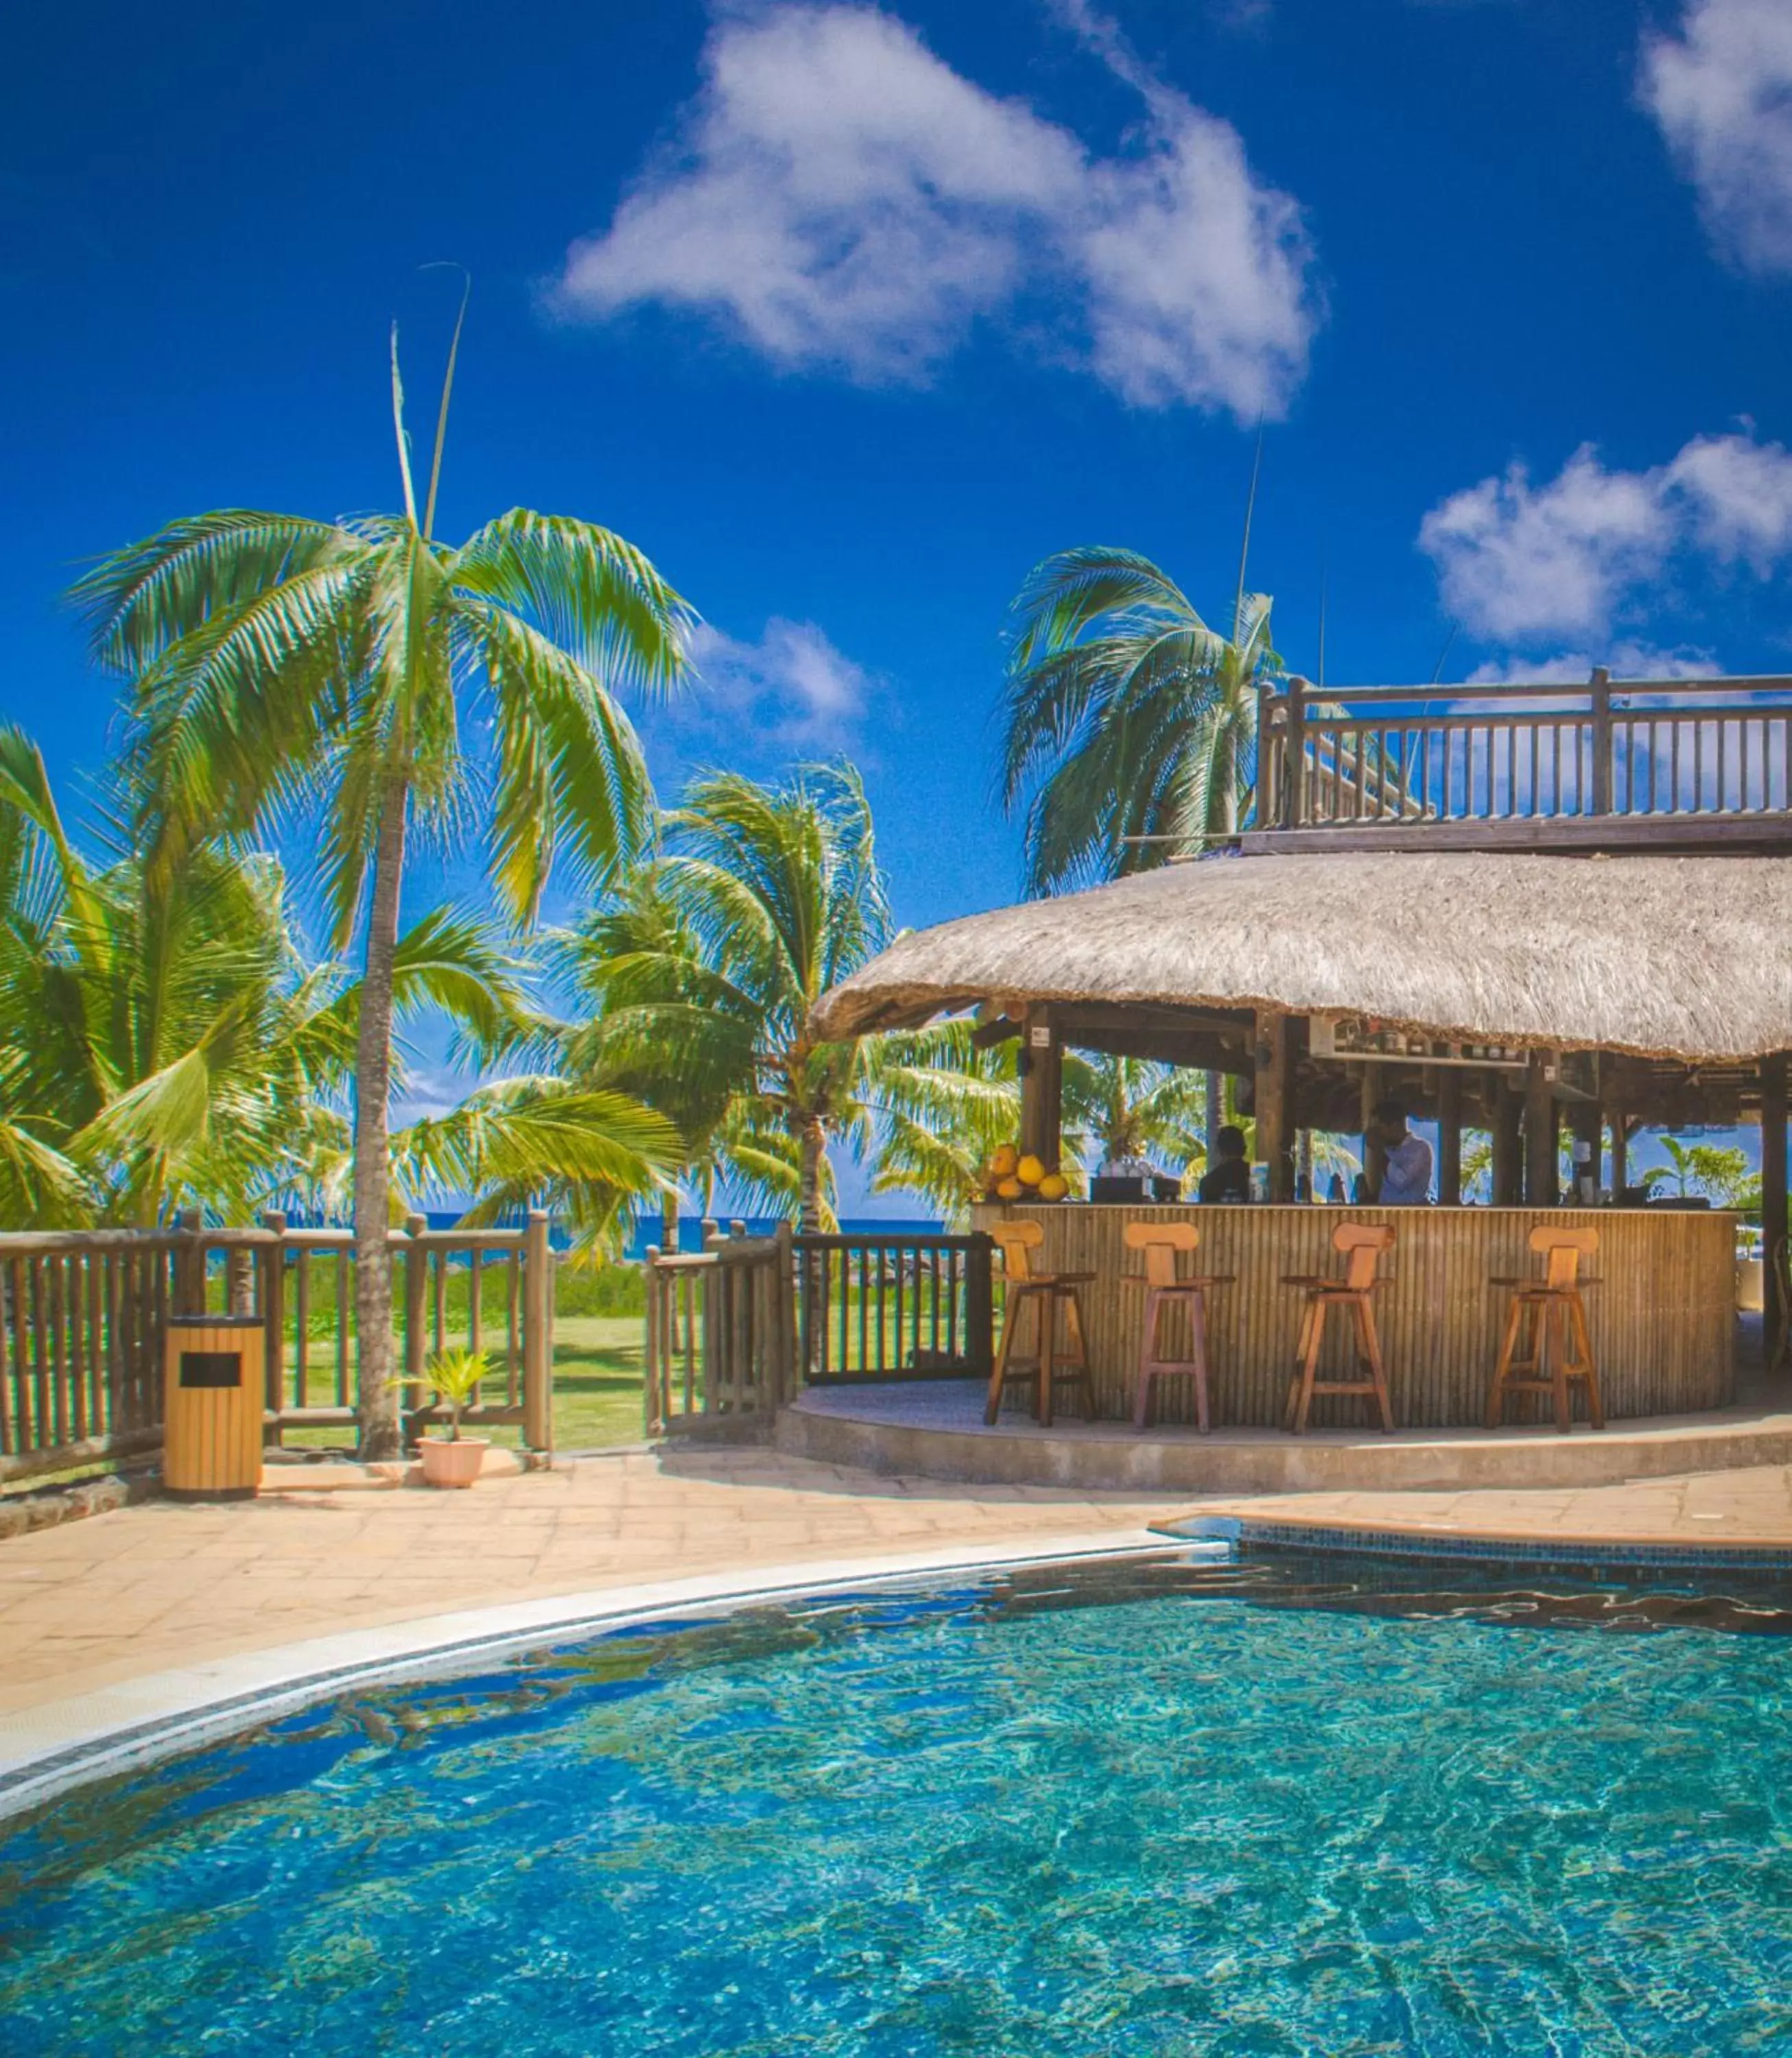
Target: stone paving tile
x=148, y=1587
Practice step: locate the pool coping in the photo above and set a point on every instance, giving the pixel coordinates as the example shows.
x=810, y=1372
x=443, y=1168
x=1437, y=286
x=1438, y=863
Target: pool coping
x=49, y=1748
x=1430, y=1542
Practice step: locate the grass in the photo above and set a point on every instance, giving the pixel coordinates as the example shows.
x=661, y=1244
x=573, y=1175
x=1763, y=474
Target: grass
x=598, y=1339
x=597, y=1381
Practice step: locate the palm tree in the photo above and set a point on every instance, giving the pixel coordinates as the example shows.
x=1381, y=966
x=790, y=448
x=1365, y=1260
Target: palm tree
x=766, y=897
x=167, y=1043
x=269, y=654
x=1718, y=1171
x=1130, y=725
x=944, y=1106
x=1131, y=1107
x=636, y=949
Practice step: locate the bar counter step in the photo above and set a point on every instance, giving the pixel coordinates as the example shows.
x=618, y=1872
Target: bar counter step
x=934, y=1429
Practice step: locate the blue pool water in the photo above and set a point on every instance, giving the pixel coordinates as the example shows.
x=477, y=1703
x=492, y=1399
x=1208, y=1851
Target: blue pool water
x=1145, y=1806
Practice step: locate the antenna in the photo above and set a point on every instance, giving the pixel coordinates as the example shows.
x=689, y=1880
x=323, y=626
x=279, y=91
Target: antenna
x=1321, y=680
x=1244, y=548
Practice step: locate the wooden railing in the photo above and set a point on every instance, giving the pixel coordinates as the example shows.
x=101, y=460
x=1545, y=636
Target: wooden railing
x=85, y=1314
x=735, y=1330
x=1658, y=758
x=81, y=1377
x=897, y=1305
x=718, y=1330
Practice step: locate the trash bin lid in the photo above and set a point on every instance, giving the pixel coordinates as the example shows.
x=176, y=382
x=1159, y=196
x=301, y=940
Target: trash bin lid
x=213, y=1321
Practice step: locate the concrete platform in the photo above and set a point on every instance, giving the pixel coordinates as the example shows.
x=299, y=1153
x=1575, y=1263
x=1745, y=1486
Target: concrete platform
x=934, y=1429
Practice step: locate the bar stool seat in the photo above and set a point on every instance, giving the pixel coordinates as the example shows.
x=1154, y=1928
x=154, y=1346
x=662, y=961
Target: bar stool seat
x=1161, y=1242
x=1557, y=1349
x=1362, y=1245
x=1044, y=1293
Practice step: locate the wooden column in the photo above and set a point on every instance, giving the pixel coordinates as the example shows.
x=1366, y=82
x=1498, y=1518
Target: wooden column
x=1508, y=1162
x=1618, y=1122
x=1275, y=1135
x=1449, y=1138
x=1773, y=1185
x=1041, y=1088
x=1543, y=1177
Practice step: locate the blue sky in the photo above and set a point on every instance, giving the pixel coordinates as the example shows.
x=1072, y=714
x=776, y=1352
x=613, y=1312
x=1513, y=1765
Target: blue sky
x=848, y=316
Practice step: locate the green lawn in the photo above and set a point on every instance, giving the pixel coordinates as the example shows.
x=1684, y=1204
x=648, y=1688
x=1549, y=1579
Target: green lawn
x=597, y=1381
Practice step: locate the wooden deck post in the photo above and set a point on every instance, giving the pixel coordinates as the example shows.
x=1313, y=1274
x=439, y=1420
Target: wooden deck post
x=1449, y=1138
x=273, y=1317
x=1543, y=1179
x=538, y=1334
x=1772, y=1188
x=1041, y=1088
x=189, y=1266
x=1600, y=688
x=1271, y=1103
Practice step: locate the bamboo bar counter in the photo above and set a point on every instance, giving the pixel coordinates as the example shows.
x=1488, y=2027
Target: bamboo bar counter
x=1662, y=1317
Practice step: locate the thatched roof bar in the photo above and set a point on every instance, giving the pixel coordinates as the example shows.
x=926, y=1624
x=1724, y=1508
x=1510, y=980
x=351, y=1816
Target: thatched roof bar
x=1684, y=957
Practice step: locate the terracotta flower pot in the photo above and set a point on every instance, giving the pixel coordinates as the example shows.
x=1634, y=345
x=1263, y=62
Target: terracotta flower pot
x=450, y=1462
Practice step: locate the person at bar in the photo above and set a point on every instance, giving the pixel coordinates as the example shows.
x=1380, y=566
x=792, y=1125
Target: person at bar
x=1397, y=1163
x=1228, y=1177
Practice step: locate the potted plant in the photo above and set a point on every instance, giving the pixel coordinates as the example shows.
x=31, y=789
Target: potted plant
x=453, y=1460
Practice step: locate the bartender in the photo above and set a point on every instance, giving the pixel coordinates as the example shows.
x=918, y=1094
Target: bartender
x=1396, y=1163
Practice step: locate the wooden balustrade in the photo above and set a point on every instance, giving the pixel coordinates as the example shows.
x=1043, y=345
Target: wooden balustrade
x=85, y=1311
x=1668, y=763
x=893, y=1306
x=735, y=1329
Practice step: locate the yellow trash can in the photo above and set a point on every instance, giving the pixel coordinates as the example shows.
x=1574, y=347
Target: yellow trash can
x=211, y=1429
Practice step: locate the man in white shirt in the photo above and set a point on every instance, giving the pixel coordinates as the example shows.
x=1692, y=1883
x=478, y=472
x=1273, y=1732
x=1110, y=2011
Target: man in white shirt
x=1405, y=1159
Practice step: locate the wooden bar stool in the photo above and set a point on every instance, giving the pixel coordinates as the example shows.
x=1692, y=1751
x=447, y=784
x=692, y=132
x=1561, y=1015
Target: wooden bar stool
x=1361, y=1244
x=1558, y=1349
x=1043, y=1292
x=1161, y=1242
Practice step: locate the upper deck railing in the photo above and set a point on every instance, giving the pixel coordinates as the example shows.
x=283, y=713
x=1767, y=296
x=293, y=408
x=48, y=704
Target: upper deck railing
x=1666, y=763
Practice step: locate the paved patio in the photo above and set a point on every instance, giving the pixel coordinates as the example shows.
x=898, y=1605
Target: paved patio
x=159, y=1586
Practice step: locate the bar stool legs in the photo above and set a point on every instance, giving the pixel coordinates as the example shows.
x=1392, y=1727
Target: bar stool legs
x=1363, y=1247
x=1152, y=1366
x=1372, y=1373
x=1545, y=1346
x=1556, y=1350
x=1046, y=1366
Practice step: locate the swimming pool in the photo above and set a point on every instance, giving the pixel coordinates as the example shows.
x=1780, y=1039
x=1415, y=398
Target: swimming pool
x=1275, y=1806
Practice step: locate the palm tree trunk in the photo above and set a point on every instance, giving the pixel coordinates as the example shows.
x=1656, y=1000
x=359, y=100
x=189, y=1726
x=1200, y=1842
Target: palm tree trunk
x=815, y=1150
x=376, y=1403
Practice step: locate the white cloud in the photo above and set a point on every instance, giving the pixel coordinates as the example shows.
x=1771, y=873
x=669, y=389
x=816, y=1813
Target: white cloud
x=1520, y=563
x=1623, y=660
x=1722, y=92
x=845, y=200
x=794, y=688
x=1739, y=492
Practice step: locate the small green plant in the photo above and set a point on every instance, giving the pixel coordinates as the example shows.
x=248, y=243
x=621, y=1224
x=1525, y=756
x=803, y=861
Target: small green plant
x=455, y=1376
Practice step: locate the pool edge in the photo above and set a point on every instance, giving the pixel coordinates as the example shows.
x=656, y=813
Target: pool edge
x=1428, y=1544
x=47, y=1749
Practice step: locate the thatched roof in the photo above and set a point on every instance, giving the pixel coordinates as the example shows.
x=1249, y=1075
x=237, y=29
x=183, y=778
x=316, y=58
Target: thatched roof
x=1680, y=957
